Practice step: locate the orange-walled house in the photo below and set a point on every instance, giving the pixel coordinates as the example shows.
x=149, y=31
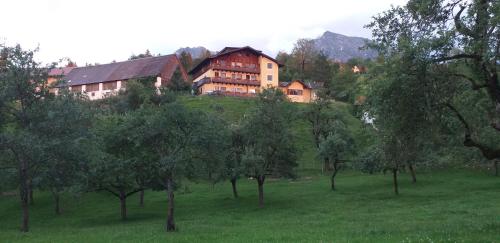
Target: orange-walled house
x=241, y=71
x=299, y=91
x=56, y=74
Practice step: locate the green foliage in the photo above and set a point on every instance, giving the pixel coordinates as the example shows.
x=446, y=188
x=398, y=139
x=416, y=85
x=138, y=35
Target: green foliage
x=177, y=82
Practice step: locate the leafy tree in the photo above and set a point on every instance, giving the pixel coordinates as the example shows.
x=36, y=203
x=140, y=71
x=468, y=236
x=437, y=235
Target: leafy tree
x=336, y=146
x=304, y=52
x=115, y=168
x=177, y=82
x=63, y=126
x=234, y=168
x=147, y=53
x=322, y=68
x=23, y=87
x=212, y=146
x=186, y=60
x=271, y=150
x=451, y=50
x=169, y=133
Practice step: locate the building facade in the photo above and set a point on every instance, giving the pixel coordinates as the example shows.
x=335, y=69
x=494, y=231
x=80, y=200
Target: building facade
x=101, y=81
x=236, y=70
x=299, y=91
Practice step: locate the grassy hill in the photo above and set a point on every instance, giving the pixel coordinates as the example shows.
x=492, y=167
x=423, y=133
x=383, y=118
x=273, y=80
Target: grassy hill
x=234, y=109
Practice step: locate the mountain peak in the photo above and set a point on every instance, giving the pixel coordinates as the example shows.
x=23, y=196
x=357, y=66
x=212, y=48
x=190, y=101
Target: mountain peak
x=341, y=48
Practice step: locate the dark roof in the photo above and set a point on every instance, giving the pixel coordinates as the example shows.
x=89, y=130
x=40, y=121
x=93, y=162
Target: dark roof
x=286, y=84
x=229, y=50
x=137, y=68
x=59, y=71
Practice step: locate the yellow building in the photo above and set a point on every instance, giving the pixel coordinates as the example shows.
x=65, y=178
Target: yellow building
x=299, y=91
x=241, y=71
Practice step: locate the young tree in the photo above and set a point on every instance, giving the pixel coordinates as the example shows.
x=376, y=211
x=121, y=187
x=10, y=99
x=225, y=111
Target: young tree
x=322, y=69
x=336, y=146
x=271, y=150
x=186, y=60
x=234, y=167
x=177, y=82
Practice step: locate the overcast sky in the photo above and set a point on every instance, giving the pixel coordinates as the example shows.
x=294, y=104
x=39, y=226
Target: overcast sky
x=105, y=30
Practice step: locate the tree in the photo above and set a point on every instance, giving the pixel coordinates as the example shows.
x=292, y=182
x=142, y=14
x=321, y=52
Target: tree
x=452, y=47
x=336, y=146
x=271, y=150
x=321, y=117
x=169, y=133
x=186, y=60
x=177, y=82
x=304, y=52
x=23, y=87
x=322, y=68
x=63, y=126
x=234, y=168
x=115, y=168
x=147, y=53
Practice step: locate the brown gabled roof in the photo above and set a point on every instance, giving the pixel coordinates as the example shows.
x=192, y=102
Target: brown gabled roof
x=132, y=69
x=229, y=50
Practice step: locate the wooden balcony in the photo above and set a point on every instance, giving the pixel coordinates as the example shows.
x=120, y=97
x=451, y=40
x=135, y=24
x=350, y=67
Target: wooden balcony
x=228, y=81
x=248, y=69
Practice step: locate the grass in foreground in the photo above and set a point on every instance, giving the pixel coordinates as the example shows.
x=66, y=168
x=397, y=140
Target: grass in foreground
x=442, y=207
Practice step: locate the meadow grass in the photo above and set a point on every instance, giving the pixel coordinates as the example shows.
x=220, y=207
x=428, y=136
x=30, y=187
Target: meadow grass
x=455, y=206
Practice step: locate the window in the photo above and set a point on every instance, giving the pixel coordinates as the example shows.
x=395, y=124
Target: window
x=233, y=76
x=109, y=86
x=247, y=76
x=269, y=65
x=269, y=77
x=239, y=76
x=76, y=88
x=233, y=64
x=92, y=87
x=252, y=65
x=223, y=88
x=239, y=90
x=223, y=75
x=216, y=87
x=216, y=74
x=222, y=62
x=253, y=77
x=294, y=92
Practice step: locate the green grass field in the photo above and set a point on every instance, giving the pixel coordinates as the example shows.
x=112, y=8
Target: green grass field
x=456, y=206
x=444, y=206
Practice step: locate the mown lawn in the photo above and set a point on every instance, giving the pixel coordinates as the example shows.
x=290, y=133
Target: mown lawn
x=456, y=206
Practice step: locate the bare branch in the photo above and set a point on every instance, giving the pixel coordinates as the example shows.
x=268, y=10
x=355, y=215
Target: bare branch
x=460, y=26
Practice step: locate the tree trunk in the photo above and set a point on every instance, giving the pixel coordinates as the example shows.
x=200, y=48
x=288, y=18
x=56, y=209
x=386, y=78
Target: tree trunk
x=260, y=182
x=30, y=190
x=23, y=193
x=141, y=198
x=235, y=192
x=413, y=174
x=495, y=166
x=335, y=170
x=57, y=207
x=326, y=164
x=123, y=204
x=170, y=213
x=395, y=180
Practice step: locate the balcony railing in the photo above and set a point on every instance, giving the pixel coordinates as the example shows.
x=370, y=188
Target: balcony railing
x=255, y=69
x=228, y=81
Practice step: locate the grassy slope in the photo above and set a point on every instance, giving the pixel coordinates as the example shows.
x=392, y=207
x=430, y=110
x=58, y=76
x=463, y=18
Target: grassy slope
x=235, y=108
x=452, y=206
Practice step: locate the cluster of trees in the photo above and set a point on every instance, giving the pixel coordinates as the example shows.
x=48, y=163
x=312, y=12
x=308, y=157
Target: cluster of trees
x=309, y=64
x=436, y=83
x=142, y=139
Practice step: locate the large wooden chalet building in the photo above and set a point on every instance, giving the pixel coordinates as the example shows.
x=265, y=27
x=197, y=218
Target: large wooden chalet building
x=235, y=70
